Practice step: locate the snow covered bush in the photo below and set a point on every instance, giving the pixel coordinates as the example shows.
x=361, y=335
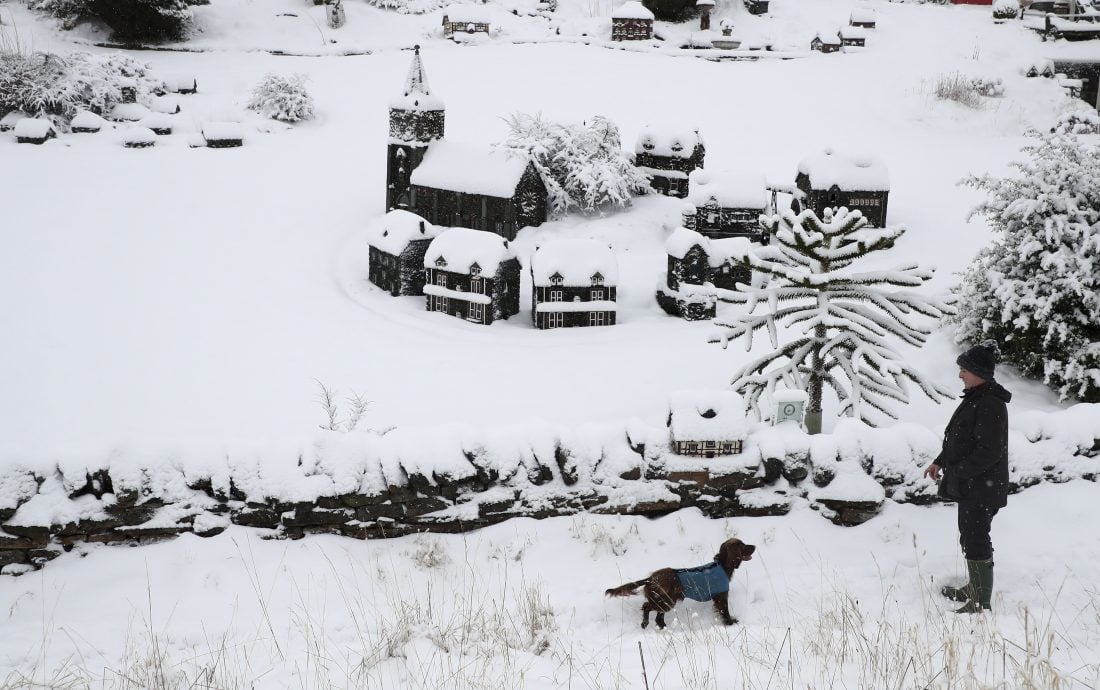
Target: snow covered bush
x=62, y=86
x=1036, y=289
x=1006, y=9
x=129, y=19
x=959, y=88
x=282, y=98
x=68, y=11
x=409, y=6
x=845, y=317
x=1085, y=120
x=584, y=166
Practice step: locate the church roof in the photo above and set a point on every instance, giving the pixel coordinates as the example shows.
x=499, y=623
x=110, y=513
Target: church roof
x=416, y=95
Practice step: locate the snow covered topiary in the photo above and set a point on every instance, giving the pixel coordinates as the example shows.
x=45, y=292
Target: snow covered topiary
x=1036, y=289
x=1006, y=9
x=584, y=166
x=845, y=317
x=282, y=98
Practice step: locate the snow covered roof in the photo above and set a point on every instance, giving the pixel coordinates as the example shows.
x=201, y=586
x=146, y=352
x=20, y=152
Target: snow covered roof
x=863, y=15
x=576, y=261
x=128, y=112
x=416, y=95
x=87, y=120
x=718, y=252
x=466, y=14
x=728, y=189
x=222, y=131
x=632, y=10
x=863, y=173
x=180, y=82
x=156, y=121
x=678, y=143
x=11, y=119
x=461, y=248
x=680, y=242
x=828, y=38
x=33, y=128
x=852, y=32
x=139, y=135
x=707, y=416
x=470, y=169
x=704, y=3
x=392, y=232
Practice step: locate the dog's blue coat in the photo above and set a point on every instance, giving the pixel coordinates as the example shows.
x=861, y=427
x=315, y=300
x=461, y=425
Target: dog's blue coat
x=703, y=582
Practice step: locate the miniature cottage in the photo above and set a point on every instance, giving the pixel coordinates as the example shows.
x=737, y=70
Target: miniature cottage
x=697, y=266
x=825, y=43
x=472, y=275
x=34, y=130
x=1039, y=68
x=705, y=8
x=223, y=135
x=707, y=423
x=757, y=6
x=398, y=242
x=574, y=283
x=852, y=37
x=462, y=19
x=1087, y=70
x=668, y=157
x=160, y=123
x=631, y=22
x=128, y=112
x=139, y=138
x=862, y=17
x=8, y=122
x=474, y=187
x=452, y=184
x=86, y=122
x=726, y=204
x=181, y=83
x=830, y=180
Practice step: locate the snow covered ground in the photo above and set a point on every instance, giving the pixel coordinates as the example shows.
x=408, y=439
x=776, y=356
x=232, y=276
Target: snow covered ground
x=159, y=300
x=521, y=605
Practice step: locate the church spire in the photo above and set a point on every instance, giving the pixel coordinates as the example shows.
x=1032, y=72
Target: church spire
x=417, y=80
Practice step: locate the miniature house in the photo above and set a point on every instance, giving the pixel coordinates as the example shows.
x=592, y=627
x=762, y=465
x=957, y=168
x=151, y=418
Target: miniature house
x=668, y=157
x=697, y=267
x=181, y=83
x=1087, y=71
x=707, y=423
x=830, y=180
x=1039, y=68
x=8, y=122
x=825, y=43
x=223, y=135
x=851, y=37
x=631, y=22
x=705, y=7
x=464, y=20
x=862, y=17
x=727, y=204
x=474, y=187
x=34, y=130
x=574, y=283
x=86, y=122
x=139, y=138
x=449, y=183
x=398, y=242
x=472, y=275
x=756, y=6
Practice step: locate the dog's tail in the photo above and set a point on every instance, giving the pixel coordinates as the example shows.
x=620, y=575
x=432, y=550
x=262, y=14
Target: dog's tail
x=627, y=589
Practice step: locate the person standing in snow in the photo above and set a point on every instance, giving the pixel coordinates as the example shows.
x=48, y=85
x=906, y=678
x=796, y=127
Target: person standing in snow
x=972, y=469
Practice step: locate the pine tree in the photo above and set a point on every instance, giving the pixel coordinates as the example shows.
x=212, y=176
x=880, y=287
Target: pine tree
x=846, y=318
x=143, y=19
x=1036, y=289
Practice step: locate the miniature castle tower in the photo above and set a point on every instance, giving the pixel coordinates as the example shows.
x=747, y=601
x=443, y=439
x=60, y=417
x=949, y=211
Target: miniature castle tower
x=416, y=120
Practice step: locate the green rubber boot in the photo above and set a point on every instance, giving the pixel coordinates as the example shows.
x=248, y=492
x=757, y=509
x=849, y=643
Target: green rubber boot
x=980, y=587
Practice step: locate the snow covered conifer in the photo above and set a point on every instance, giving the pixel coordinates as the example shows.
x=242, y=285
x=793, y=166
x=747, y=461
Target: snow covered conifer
x=282, y=98
x=1036, y=289
x=334, y=10
x=846, y=319
x=583, y=166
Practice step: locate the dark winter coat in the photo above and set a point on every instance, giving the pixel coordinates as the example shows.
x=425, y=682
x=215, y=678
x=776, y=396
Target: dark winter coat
x=975, y=447
x=703, y=582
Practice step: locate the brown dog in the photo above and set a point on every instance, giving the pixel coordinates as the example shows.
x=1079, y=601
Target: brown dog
x=666, y=587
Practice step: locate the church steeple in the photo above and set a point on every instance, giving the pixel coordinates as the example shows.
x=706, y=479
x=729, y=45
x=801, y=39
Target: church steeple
x=417, y=118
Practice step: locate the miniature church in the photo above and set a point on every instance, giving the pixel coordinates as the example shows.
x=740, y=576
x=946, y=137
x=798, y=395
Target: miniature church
x=448, y=183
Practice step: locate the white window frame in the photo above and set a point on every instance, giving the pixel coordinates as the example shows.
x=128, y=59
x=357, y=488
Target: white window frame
x=555, y=319
x=556, y=295
x=441, y=279
x=596, y=294
x=475, y=312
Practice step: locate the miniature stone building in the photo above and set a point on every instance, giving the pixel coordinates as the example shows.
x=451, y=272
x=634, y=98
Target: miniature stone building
x=139, y=138
x=862, y=17
x=449, y=183
x=34, y=130
x=223, y=135
x=471, y=275
x=726, y=204
x=757, y=6
x=465, y=19
x=705, y=8
x=707, y=423
x=828, y=179
x=631, y=22
x=1087, y=70
x=86, y=122
x=825, y=43
x=668, y=157
x=852, y=37
x=697, y=268
x=574, y=283
x=398, y=242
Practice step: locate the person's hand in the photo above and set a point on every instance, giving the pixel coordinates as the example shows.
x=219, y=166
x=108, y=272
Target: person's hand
x=933, y=471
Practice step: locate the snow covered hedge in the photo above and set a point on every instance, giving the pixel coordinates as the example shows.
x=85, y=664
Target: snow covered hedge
x=282, y=98
x=129, y=19
x=64, y=85
x=366, y=485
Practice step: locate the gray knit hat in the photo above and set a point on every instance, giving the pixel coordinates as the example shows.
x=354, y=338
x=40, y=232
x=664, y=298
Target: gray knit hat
x=981, y=359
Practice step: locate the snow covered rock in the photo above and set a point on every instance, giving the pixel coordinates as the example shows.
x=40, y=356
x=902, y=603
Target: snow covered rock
x=139, y=138
x=34, y=130
x=87, y=123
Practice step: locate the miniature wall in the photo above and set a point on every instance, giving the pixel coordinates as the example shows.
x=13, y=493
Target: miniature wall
x=369, y=485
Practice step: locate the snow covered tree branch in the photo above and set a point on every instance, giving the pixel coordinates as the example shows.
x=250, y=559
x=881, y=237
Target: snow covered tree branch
x=1036, y=289
x=803, y=281
x=584, y=166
